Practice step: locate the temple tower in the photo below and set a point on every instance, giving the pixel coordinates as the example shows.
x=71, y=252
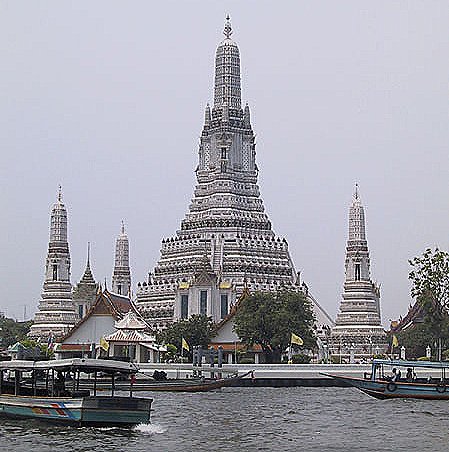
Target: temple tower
x=56, y=314
x=85, y=292
x=121, y=278
x=225, y=241
x=358, y=332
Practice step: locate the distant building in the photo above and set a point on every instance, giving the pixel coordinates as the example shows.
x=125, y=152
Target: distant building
x=226, y=240
x=56, y=314
x=132, y=341
x=358, y=332
x=228, y=340
x=99, y=321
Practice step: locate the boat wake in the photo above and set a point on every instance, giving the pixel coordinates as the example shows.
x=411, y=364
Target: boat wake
x=149, y=429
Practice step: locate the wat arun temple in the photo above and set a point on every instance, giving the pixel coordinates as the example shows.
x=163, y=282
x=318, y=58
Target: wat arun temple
x=226, y=241
x=225, y=245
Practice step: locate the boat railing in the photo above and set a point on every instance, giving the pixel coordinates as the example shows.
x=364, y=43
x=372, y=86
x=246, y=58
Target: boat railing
x=60, y=378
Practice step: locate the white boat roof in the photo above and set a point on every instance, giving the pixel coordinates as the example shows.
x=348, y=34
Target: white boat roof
x=84, y=364
x=403, y=363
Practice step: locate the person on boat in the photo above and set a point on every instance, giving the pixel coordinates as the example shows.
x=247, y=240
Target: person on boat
x=60, y=384
x=409, y=376
x=396, y=374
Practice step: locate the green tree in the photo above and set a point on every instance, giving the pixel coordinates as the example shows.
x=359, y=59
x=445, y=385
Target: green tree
x=420, y=335
x=430, y=278
x=12, y=331
x=430, y=287
x=197, y=330
x=268, y=319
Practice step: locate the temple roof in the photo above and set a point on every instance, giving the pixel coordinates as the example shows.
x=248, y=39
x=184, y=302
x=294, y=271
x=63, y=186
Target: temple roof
x=130, y=336
x=130, y=322
x=106, y=303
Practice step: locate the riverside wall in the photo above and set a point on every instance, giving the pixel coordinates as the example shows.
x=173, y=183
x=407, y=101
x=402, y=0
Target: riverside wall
x=271, y=375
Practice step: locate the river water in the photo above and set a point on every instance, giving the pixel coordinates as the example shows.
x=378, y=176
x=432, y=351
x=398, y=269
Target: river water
x=254, y=419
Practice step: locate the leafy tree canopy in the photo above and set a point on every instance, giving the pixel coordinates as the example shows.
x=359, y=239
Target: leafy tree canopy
x=421, y=335
x=269, y=319
x=430, y=287
x=12, y=331
x=197, y=330
x=430, y=277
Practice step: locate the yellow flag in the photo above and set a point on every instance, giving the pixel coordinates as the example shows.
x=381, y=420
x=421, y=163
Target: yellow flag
x=394, y=342
x=104, y=344
x=296, y=340
x=185, y=345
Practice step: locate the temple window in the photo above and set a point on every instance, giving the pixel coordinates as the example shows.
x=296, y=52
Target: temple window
x=357, y=272
x=203, y=302
x=55, y=272
x=224, y=305
x=184, y=306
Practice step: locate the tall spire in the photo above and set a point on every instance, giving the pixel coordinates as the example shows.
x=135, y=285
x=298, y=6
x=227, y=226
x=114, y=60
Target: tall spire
x=226, y=217
x=121, y=278
x=359, y=321
x=85, y=291
x=227, y=144
x=227, y=72
x=56, y=313
x=88, y=276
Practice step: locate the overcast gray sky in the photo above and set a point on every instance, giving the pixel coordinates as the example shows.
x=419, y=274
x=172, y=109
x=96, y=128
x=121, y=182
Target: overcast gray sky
x=106, y=98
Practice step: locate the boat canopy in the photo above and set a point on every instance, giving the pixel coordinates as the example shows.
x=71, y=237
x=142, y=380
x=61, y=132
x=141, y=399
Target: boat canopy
x=83, y=364
x=402, y=363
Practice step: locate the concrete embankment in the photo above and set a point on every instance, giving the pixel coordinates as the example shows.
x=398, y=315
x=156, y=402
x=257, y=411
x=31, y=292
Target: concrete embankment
x=270, y=375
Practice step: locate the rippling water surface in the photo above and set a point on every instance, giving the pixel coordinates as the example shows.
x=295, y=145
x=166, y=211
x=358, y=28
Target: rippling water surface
x=254, y=419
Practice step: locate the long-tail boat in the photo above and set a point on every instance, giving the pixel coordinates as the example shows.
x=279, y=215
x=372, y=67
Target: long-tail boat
x=403, y=379
x=50, y=391
x=197, y=384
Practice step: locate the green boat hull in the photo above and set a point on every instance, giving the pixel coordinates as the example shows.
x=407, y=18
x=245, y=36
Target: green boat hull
x=95, y=411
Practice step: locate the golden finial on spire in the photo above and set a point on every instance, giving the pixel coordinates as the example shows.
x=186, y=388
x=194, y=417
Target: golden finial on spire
x=227, y=29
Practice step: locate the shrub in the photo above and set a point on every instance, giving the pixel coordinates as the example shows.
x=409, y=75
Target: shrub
x=301, y=359
x=246, y=361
